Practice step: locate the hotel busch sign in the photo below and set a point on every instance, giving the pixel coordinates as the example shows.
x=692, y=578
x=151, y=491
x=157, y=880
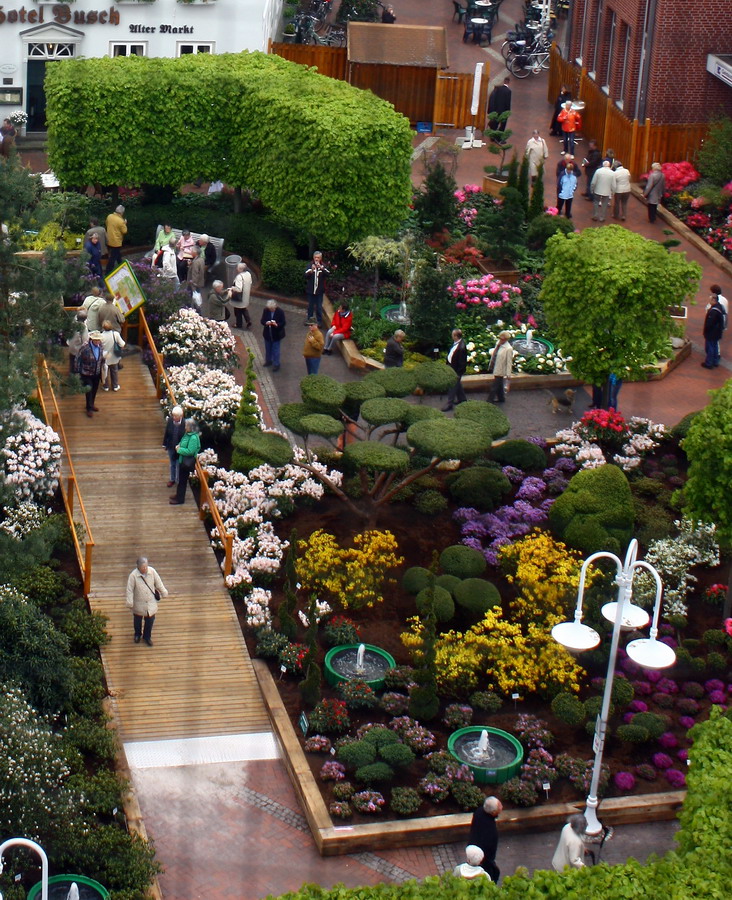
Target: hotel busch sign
x=60, y=14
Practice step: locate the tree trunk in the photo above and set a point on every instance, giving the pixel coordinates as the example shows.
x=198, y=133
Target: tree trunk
x=238, y=202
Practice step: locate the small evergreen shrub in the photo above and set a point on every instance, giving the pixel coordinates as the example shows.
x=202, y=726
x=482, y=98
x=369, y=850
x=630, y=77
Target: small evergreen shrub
x=654, y=724
x=444, y=605
x=448, y=582
x=462, y=561
x=520, y=453
x=270, y=643
x=467, y=796
x=416, y=579
x=399, y=678
x=486, y=701
x=519, y=792
x=396, y=755
x=458, y=715
x=375, y=773
x=569, y=709
x=479, y=487
x=357, y=754
x=476, y=596
x=405, y=801
x=430, y=503
x=343, y=791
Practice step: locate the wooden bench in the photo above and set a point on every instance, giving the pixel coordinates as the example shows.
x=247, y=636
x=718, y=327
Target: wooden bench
x=216, y=242
x=348, y=349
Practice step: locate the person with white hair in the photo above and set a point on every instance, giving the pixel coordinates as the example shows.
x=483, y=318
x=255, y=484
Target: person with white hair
x=78, y=338
x=653, y=191
x=472, y=867
x=571, y=848
x=188, y=449
x=240, y=292
x=484, y=834
x=501, y=367
x=273, y=322
x=145, y=589
x=116, y=228
x=175, y=428
x=217, y=300
x=208, y=251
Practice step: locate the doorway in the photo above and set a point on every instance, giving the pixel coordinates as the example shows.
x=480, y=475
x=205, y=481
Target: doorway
x=36, y=96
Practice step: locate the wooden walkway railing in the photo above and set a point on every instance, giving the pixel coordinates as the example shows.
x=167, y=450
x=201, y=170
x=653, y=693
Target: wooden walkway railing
x=81, y=533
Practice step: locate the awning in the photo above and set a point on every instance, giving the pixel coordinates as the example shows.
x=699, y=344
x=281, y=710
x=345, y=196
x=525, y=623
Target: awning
x=719, y=65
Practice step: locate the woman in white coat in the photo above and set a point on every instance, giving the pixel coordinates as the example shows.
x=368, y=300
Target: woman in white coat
x=112, y=345
x=501, y=367
x=571, y=848
x=144, y=588
x=240, y=291
x=536, y=152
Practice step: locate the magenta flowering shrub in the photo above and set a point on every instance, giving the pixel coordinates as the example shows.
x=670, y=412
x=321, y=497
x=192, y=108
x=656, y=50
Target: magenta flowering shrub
x=519, y=792
x=458, y=715
x=485, y=293
x=340, y=809
x=667, y=686
x=675, y=778
x=683, y=755
x=413, y=734
x=466, y=208
x=395, y=704
x=538, y=768
x=643, y=687
x=455, y=771
x=638, y=706
x=368, y=802
x=435, y=787
x=318, y=743
x=686, y=722
x=624, y=781
x=713, y=685
x=533, y=732
x=668, y=740
x=662, y=760
x=652, y=675
x=514, y=475
x=718, y=698
x=332, y=771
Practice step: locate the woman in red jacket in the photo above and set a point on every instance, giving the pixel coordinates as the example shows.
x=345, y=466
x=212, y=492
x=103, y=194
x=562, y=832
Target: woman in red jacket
x=340, y=328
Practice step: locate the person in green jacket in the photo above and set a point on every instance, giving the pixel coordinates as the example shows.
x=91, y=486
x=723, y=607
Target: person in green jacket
x=188, y=450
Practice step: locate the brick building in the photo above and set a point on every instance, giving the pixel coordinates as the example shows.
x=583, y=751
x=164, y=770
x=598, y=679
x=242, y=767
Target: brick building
x=650, y=56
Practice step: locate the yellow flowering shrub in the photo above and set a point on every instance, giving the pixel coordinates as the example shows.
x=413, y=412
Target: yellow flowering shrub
x=356, y=576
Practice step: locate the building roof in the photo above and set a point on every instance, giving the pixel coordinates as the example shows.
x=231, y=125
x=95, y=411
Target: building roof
x=400, y=45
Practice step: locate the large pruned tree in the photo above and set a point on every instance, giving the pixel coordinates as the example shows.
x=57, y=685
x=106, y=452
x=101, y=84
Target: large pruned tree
x=320, y=153
x=606, y=295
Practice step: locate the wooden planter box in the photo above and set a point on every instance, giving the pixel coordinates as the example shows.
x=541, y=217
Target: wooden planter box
x=493, y=185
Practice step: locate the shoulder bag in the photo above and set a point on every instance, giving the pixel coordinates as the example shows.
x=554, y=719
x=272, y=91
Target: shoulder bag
x=154, y=591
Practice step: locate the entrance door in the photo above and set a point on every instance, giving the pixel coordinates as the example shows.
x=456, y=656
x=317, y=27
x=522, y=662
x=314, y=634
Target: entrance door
x=36, y=102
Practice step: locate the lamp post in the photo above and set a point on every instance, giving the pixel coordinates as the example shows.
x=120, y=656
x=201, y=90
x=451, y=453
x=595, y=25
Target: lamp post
x=647, y=652
x=31, y=845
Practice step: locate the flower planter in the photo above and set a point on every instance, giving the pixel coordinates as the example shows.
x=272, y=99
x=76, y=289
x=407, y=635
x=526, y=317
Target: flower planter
x=679, y=314
x=482, y=773
x=333, y=677
x=493, y=185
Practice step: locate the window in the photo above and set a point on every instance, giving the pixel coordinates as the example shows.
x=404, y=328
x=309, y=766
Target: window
x=50, y=51
x=624, y=72
x=128, y=49
x=188, y=49
x=610, y=49
x=582, y=32
x=596, y=45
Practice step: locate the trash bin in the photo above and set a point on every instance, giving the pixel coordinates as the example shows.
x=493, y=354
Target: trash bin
x=231, y=263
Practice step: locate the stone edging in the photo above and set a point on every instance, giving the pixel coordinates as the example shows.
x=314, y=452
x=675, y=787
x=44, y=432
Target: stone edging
x=683, y=230
x=334, y=840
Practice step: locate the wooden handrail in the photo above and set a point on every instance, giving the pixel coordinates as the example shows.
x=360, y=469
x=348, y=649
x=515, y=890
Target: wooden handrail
x=207, y=500
x=84, y=557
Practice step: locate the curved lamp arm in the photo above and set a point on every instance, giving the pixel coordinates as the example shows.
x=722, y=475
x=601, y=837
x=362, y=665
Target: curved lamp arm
x=642, y=564
x=31, y=845
x=603, y=554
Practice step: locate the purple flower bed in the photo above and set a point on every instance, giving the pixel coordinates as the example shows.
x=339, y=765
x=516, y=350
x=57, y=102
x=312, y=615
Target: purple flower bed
x=668, y=740
x=624, y=781
x=662, y=760
x=675, y=778
x=686, y=722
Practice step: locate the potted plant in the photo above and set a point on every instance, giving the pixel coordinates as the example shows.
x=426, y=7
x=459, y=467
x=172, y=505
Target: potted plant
x=289, y=32
x=19, y=118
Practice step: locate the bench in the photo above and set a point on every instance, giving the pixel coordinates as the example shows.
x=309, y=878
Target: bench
x=216, y=242
x=348, y=349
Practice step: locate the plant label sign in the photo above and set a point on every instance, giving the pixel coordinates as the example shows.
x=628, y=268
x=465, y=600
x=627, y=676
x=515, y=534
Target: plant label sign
x=304, y=723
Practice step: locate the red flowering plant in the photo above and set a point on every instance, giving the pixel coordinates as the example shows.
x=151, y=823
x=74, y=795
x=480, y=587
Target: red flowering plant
x=715, y=593
x=699, y=220
x=606, y=427
x=486, y=294
x=678, y=176
x=721, y=237
x=467, y=210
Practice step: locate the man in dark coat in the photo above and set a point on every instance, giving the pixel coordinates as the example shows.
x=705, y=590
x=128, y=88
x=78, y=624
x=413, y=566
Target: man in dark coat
x=457, y=359
x=89, y=361
x=273, y=320
x=315, y=287
x=714, y=323
x=175, y=428
x=484, y=834
x=591, y=164
x=208, y=250
x=499, y=102
x=394, y=352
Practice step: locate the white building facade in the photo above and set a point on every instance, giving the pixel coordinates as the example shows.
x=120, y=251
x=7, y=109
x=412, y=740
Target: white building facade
x=35, y=33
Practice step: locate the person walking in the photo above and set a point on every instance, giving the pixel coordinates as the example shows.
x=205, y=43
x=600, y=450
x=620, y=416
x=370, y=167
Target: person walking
x=564, y=95
x=501, y=367
x=536, y=152
x=499, y=102
x=112, y=345
x=653, y=191
x=566, y=187
x=340, y=327
x=313, y=349
x=274, y=322
x=571, y=122
x=217, y=300
x=78, y=338
x=471, y=868
x=394, y=352
x=89, y=362
x=240, y=292
x=602, y=190
x=93, y=304
x=110, y=313
x=188, y=449
x=591, y=164
x=484, y=834
x=93, y=248
x=197, y=280
x=101, y=233
x=621, y=191
x=457, y=359
x=714, y=324
x=7, y=138
x=315, y=276
x=571, y=849
x=116, y=227
x=145, y=589
x=175, y=428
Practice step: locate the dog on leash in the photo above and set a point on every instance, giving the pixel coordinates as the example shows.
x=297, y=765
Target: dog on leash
x=563, y=403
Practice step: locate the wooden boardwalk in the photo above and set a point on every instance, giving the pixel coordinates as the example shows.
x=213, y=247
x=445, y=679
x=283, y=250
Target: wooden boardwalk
x=198, y=679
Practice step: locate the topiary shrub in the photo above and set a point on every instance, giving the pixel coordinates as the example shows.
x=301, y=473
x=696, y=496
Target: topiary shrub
x=448, y=582
x=358, y=392
x=521, y=454
x=486, y=701
x=448, y=438
x=654, y=724
x=375, y=457
x=467, y=796
x=681, y=428
x=476, y=596
x=444, y=604
x=396, y=755
x=416, y=579
x=541, y=228
x=405, y=801
x=430, y=503
x=357, y=754
x=384, y=411
x=485, y=414
x=632, y=733
x=595, y=512
x=321, y=425
x=323, y=394
x=462, y=561
x=375, y=773
x=290, y=415
x=622, y=693
x=420, y=413
x=479, y=487
x=395, y=382
x=269, y=447
x=379, y=735
x=434, y=377
x=569, y=709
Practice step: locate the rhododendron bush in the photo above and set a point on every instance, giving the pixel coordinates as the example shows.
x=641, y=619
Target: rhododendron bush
x=30, y=460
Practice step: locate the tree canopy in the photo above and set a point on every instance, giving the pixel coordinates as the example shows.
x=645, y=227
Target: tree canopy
x=319, y=152
x=606, y=296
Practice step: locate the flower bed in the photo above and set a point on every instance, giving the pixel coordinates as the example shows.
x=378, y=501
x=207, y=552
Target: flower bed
x=210, y=396
x=188, y=337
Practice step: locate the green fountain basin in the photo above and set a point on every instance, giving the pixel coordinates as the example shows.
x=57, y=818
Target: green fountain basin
x=337, y=665
x=508, y=749
x=59, y=886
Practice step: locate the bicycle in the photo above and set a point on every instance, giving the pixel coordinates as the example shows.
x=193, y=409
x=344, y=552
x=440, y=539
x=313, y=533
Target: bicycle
x=530, y=62
x=306, y=33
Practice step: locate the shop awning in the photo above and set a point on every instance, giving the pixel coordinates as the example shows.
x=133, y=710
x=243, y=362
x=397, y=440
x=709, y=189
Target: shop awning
x=719, y=65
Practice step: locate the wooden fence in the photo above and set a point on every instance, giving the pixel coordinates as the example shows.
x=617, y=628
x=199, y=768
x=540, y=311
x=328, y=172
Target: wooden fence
x=636, y=144
x=421, y=94
x=207, y=505
x=81, y=533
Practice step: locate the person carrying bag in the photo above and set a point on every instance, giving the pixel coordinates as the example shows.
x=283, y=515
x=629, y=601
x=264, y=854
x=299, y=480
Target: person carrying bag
x=188, y=450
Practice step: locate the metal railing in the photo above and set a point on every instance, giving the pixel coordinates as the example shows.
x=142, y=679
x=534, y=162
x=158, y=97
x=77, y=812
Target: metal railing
x=207, y=500
x=83, y=542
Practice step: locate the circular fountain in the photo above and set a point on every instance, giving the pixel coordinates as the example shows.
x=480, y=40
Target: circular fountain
x=528, y=345
x=492, y=755
x=358, y=662
x=396, y=313
x=70, y=887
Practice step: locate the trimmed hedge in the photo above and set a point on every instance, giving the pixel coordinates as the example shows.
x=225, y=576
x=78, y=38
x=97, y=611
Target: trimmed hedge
x=444, y=604
x=477, y=596
x=485, y=414
x=462, y=561
x=416, y=579
x=479, y=487
x=520, y=453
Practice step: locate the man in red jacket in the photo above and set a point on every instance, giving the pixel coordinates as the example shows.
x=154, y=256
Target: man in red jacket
x=571, y=122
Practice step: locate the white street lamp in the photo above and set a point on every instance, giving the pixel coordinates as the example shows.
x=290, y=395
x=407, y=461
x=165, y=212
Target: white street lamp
x=647, y=652
x=32, y=845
